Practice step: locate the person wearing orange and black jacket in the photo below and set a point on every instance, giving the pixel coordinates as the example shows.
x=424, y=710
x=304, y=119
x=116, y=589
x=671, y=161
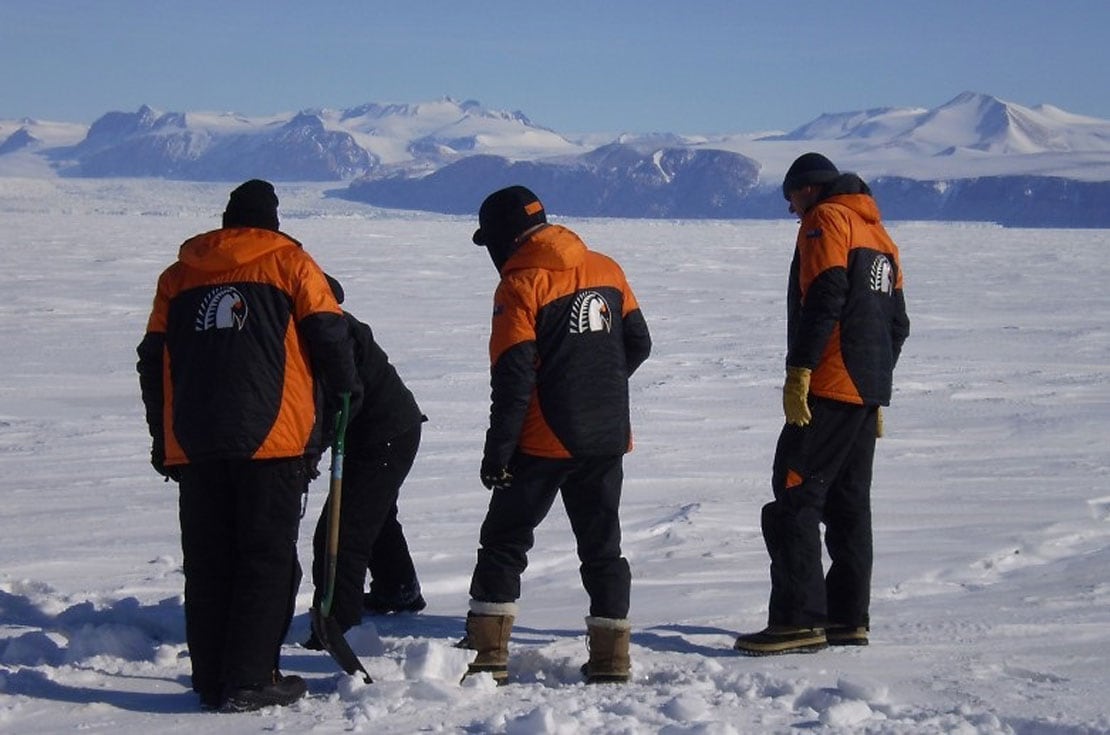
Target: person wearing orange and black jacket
x=567, y=334
x=846, y=323
x=244, y=341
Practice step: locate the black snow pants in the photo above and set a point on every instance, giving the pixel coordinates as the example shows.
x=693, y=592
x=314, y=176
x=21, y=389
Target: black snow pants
x=370, y=536
x=591, y=490
x=239, y=522
x=822, y=474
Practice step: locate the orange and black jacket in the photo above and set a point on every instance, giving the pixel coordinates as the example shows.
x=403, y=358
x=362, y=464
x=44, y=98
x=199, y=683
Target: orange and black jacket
x=567, y=334
x=846, y=318
x=243, y=333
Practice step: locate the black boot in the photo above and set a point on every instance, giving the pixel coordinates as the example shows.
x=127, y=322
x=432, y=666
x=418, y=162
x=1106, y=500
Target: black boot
x=282, y=691
x=407, y=598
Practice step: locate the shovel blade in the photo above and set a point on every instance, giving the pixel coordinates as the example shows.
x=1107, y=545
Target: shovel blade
x=330, y=635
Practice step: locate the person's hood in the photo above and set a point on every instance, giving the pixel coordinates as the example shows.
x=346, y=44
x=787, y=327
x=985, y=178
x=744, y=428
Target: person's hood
x=851, y=191
x=552, y=247
x=228, y=248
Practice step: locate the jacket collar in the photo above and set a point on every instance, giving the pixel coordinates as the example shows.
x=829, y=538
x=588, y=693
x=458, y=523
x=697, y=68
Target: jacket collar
x=231, y=247
x=553, y=247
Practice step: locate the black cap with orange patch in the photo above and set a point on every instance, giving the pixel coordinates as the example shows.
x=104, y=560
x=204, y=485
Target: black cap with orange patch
x=505, y=214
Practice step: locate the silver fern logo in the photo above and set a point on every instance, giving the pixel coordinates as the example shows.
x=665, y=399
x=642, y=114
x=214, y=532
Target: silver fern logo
x=222, y=308
x=590, y=313
x=882, y=275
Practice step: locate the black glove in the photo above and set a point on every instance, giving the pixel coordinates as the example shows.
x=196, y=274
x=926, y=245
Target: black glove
x=158, y=462
x=495, y=476
x=312, y=466
x=356, y=402
x=332, y=406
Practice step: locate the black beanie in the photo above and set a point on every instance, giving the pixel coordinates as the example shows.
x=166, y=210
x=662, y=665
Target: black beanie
x=505, y=214
x=808, y=168
x=252, y=204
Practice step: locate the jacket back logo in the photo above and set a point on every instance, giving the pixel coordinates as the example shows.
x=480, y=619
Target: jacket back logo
x=590, y=313
x=882, y=275
x=222, y=308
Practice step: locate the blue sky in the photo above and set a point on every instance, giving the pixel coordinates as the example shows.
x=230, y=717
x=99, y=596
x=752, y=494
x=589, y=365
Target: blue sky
x=687, y=66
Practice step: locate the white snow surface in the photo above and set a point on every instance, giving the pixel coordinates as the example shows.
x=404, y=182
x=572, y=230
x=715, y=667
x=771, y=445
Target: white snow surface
x=991, y=610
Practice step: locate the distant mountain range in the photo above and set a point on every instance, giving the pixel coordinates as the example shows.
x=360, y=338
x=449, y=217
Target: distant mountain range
x=974, y=158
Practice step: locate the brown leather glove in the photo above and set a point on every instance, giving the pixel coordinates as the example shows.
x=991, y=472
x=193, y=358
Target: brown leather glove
x=795, y=392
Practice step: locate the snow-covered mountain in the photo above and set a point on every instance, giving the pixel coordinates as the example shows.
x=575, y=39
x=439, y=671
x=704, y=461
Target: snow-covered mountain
x=216, y=148
x=974, y=157
x=971, y=121
x=414, y=138
x=311, y=145
x=615, y=180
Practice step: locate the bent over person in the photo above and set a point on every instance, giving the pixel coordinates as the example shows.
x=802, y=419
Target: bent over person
x=382, y=441
x=243, y=332
x=846, y=323
x=567, y=334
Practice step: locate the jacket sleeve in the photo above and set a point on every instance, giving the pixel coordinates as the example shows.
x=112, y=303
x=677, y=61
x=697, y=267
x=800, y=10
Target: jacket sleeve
x=637, y=340
x=150, y=384
x=331, y=352
x=513, y=356
x=634, y=328
x=900, y=325
x=321, y=324
x=823, y=285
x=151, y=367
x=512, y=379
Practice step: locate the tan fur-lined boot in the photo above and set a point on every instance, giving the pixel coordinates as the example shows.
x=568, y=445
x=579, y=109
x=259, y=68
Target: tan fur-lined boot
x=607, y=640
x=488, y=626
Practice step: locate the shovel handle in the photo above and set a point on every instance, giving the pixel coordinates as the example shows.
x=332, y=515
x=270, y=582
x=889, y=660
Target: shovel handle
x=335, y=495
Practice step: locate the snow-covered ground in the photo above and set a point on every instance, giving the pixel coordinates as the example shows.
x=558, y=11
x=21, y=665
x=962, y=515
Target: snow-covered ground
x=991, y=608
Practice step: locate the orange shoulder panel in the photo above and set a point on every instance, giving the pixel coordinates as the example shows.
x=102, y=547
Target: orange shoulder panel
x=824, y=240
x=514, y=317
x=611, y=274
x=308, y=287
x=159, y=312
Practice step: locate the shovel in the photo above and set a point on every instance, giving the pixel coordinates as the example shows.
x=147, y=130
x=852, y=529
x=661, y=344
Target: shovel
x=324, y=626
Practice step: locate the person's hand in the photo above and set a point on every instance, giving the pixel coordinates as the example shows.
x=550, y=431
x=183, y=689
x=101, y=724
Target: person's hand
x=356, y=401
x=879, y=422
x=158, y=462
x=312, y=466
x=795, y=395
x=494, y=475
x=333, y=406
